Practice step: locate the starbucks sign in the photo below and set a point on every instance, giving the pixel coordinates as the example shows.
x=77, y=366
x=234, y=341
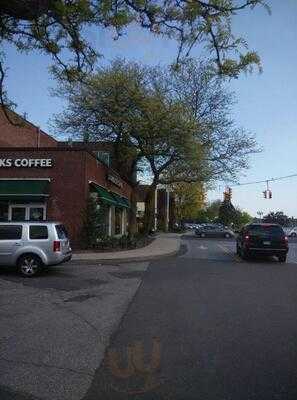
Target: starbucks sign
x=26, y=163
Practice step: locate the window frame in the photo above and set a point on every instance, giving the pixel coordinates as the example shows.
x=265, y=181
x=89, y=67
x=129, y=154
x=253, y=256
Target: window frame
x=38, y=226
x=11, y=226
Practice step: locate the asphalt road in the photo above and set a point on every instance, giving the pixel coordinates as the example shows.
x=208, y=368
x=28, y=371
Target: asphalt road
x=200, y=325
x=206, y=325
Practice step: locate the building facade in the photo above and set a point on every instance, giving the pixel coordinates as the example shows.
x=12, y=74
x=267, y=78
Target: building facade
x=164, y=204
x=41, y=180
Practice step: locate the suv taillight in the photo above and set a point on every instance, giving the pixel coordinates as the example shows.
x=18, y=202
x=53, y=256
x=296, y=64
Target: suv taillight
x=57, y=245
x=285, y=239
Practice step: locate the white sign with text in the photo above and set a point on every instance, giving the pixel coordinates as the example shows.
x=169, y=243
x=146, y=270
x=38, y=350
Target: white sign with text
x=26, y=162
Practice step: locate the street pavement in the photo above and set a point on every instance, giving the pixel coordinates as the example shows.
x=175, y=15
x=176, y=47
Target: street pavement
x=200, y=325
x=206, y=325
x=54, y=328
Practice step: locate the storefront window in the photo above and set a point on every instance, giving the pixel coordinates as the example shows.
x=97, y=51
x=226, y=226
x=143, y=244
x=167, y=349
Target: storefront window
x=18, y=213
x=36, y=213
x=27, y=212
x=3, y=211
x=118, y=221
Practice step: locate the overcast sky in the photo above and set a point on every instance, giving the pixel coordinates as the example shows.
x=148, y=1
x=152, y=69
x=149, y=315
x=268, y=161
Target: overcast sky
x=267, y=102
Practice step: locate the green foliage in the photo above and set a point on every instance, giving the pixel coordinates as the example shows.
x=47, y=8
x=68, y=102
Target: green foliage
x=125, y=242
x=94, y=226
x=242, y=218
x=55, y=26
x=227, y=213
x=277, y=217
x=173, y=125
x=189, y=197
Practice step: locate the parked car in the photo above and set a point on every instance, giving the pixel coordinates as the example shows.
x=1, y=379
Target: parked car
x=212, y=230
x=262, y=239
x=293, y=232
x=33, y=245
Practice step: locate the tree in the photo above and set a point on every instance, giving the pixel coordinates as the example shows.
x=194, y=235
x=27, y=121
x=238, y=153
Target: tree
x=213, y=209
x=189, y=199
x=59, y=28
x=277, y=217
x=227, y=213
x=242, y=218
x=146, y=114
x=226, y=146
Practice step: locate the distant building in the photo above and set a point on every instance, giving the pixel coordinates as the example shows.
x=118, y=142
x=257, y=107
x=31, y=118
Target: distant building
x=164, y=218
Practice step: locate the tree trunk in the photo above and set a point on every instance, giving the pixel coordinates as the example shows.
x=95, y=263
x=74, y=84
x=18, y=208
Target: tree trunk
x=133, y=211
x=149, y=213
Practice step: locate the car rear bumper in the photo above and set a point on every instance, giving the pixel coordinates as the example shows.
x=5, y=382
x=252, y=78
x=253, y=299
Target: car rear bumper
x=60, y=259
x=263, y=251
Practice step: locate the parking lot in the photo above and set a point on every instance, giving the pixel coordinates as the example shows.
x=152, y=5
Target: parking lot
x=55, y=327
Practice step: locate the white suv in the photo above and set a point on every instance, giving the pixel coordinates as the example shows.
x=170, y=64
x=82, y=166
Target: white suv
x=32, y=245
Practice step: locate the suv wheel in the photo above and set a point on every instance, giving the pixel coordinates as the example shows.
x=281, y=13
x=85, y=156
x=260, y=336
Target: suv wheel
x=29, y=265
x=293, y=234
x=282, y=259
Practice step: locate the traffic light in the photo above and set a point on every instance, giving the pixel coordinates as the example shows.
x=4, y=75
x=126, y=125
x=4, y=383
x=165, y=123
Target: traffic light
x=267, y=194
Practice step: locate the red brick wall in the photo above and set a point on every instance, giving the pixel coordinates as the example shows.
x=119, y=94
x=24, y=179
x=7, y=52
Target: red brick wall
x=22, y=136
x=96, y=171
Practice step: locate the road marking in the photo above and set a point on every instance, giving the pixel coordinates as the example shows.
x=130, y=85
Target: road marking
x=202, y=247
x=227, y=251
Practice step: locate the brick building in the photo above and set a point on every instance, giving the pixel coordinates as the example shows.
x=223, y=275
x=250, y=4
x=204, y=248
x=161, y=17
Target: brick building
x=40, y=180
x=23, y=133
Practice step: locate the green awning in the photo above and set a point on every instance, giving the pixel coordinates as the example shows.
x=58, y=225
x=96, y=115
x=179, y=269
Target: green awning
x=104, y=195
x=24, y=188
x=121, y=201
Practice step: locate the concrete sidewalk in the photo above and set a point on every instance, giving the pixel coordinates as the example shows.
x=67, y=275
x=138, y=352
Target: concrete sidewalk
x=165, y=244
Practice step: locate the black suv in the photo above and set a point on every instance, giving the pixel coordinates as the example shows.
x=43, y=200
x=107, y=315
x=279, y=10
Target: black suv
x=262, y=239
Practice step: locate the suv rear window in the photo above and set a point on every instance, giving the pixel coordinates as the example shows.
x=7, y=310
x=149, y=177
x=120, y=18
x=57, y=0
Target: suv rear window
x=61, y=232
x=38, y=232
x=271, y=230
x=10, y=232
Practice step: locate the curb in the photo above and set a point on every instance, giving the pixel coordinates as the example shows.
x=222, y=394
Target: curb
x=127, y=259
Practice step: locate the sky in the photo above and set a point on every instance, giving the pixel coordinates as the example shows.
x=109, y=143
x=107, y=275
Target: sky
x=266, y=102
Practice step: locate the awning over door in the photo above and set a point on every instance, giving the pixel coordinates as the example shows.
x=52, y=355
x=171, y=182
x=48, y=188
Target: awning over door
x=24, y=189
x=121, y=201
x=104, y=195
x=110, y=198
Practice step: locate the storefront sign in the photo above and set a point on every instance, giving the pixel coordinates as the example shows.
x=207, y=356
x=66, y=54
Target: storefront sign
x=26, y=163
x=115, y=180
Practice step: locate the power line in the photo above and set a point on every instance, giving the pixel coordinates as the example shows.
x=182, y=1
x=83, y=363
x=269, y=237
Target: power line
x=264, y=181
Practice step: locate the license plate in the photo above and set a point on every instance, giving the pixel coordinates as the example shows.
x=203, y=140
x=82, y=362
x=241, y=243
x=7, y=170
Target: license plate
x=266, y=243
